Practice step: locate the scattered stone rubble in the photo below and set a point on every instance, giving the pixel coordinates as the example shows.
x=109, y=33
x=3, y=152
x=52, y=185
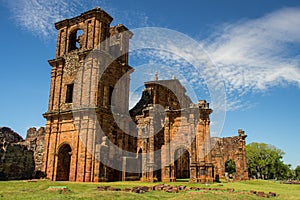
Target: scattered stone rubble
x=59, y=188
x=176, y=189
x=262, y=194
x=291, y=182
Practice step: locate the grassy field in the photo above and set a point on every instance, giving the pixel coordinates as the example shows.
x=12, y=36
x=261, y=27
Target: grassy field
x=38, y=190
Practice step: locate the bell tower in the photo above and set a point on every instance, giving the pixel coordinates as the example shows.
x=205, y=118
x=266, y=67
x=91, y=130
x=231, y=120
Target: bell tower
x=77, y=41
x=84, y=32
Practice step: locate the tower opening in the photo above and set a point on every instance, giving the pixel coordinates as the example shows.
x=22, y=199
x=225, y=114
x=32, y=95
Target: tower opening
x=75, y=40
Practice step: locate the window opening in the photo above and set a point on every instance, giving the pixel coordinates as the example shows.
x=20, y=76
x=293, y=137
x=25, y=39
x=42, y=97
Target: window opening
x=75, y=40
x=69, y=94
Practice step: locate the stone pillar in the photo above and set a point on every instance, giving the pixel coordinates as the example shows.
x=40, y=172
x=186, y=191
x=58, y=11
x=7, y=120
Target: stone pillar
x=47, y=148
x=97, y=163
x=53, y=151
x=57, y=88
x=90, y=149
x=166, y=174
x=104, y=154
x=242, y=148
x=173, y=178
x=207, y=142
x=150, y=163
x=124, y=168
x=144, y=162
x=209, y=177
x=52, y=88
x=192, y=128
x=165, y=152
x=193, y=173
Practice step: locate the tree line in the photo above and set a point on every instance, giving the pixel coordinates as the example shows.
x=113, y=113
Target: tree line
x=265, y=162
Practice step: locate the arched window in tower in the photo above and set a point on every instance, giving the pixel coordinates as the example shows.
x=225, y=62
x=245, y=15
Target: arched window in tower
x=75, y=40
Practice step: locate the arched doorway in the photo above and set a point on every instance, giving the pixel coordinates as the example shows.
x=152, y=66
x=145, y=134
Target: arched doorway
x=63, y=163
x=182, y=164
x=230, y=168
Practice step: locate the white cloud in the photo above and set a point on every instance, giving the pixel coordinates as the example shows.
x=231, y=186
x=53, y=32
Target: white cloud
x=252, y=55
x=255, y=55
x=39, y=16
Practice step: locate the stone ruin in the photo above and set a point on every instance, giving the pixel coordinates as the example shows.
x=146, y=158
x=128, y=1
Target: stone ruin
x=71, y=146
x=19, y=158
x=76, y=138
x=230, y=149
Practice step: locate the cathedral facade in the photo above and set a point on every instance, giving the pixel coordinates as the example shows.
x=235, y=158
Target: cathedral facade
x=91, y=135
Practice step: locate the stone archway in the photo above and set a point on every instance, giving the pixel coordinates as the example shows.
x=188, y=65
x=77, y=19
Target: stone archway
x=63, y=163
x=182, y=164
x=230, y=168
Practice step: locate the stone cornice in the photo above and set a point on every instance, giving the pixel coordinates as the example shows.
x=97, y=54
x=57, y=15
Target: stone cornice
x=98, y=13
x=72, y=111
x=54, y=62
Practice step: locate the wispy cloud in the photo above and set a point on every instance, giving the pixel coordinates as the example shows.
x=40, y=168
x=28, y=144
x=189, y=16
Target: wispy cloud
x=254, y=55
x=39, y=16
x=251, y=55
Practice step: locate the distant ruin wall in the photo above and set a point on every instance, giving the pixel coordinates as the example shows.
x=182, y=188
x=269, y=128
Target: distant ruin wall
x=8, y=135
x=19, y=158
x=16, y=162
x=230, y=148
x=35, y=142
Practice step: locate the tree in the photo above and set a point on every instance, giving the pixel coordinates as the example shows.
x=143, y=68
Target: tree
x=297, y=172
x=230, y=166
x=264, y=161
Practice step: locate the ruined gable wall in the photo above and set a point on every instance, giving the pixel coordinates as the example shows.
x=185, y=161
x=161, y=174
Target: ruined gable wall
x=233, y=148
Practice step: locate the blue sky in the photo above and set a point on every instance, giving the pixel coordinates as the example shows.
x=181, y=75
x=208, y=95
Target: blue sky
x=255, y=44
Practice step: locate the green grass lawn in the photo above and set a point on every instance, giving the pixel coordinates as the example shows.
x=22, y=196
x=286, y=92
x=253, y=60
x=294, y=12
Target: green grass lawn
x=38, y=190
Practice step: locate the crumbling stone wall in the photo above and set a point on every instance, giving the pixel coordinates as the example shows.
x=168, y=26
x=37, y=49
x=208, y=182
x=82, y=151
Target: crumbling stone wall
x=8, y=135
x=172, y=124
x=164, y=113
x=16, y=162
x=35, y=142
x=19, y=158
x=230, y=148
